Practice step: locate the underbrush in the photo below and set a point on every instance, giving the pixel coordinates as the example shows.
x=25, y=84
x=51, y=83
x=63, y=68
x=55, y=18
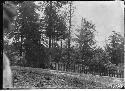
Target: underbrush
x=26, y=77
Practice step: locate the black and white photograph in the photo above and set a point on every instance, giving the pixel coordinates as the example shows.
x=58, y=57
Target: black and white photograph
x=63, y=45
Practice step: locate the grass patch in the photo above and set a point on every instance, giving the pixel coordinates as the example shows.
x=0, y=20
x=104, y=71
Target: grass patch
x=26, y=77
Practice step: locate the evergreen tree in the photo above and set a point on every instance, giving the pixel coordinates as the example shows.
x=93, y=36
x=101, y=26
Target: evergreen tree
x=85, y=39
x=29, y=36
x=115, y=48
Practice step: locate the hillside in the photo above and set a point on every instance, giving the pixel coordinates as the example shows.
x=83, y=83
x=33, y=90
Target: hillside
x=25, y=77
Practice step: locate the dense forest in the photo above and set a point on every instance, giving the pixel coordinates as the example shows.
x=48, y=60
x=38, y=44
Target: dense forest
x=39, y=40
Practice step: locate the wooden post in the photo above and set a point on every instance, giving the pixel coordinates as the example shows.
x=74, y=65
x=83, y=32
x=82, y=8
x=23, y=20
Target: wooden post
x=73, y=67
x=56, y=66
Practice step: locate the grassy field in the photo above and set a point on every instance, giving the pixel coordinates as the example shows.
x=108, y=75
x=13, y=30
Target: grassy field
x=25, y=77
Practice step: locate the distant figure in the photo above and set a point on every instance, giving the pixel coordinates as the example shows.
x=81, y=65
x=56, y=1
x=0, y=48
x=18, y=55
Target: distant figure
x=9, y=12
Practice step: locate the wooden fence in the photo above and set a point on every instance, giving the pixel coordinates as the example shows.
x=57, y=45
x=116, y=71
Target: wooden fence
x=79, y=68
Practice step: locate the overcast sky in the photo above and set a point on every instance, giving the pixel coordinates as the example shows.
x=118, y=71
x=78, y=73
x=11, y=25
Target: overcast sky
x=107, y=16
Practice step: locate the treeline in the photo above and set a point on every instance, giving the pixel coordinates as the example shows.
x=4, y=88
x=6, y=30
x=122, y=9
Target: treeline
x=39, y=40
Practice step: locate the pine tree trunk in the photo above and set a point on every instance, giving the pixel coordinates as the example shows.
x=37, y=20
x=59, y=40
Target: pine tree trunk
x=68, y=63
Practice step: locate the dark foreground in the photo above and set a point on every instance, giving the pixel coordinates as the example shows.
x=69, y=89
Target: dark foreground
x=39, y=78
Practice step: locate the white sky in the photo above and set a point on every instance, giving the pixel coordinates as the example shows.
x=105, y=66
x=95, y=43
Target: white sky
x=106, y=15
